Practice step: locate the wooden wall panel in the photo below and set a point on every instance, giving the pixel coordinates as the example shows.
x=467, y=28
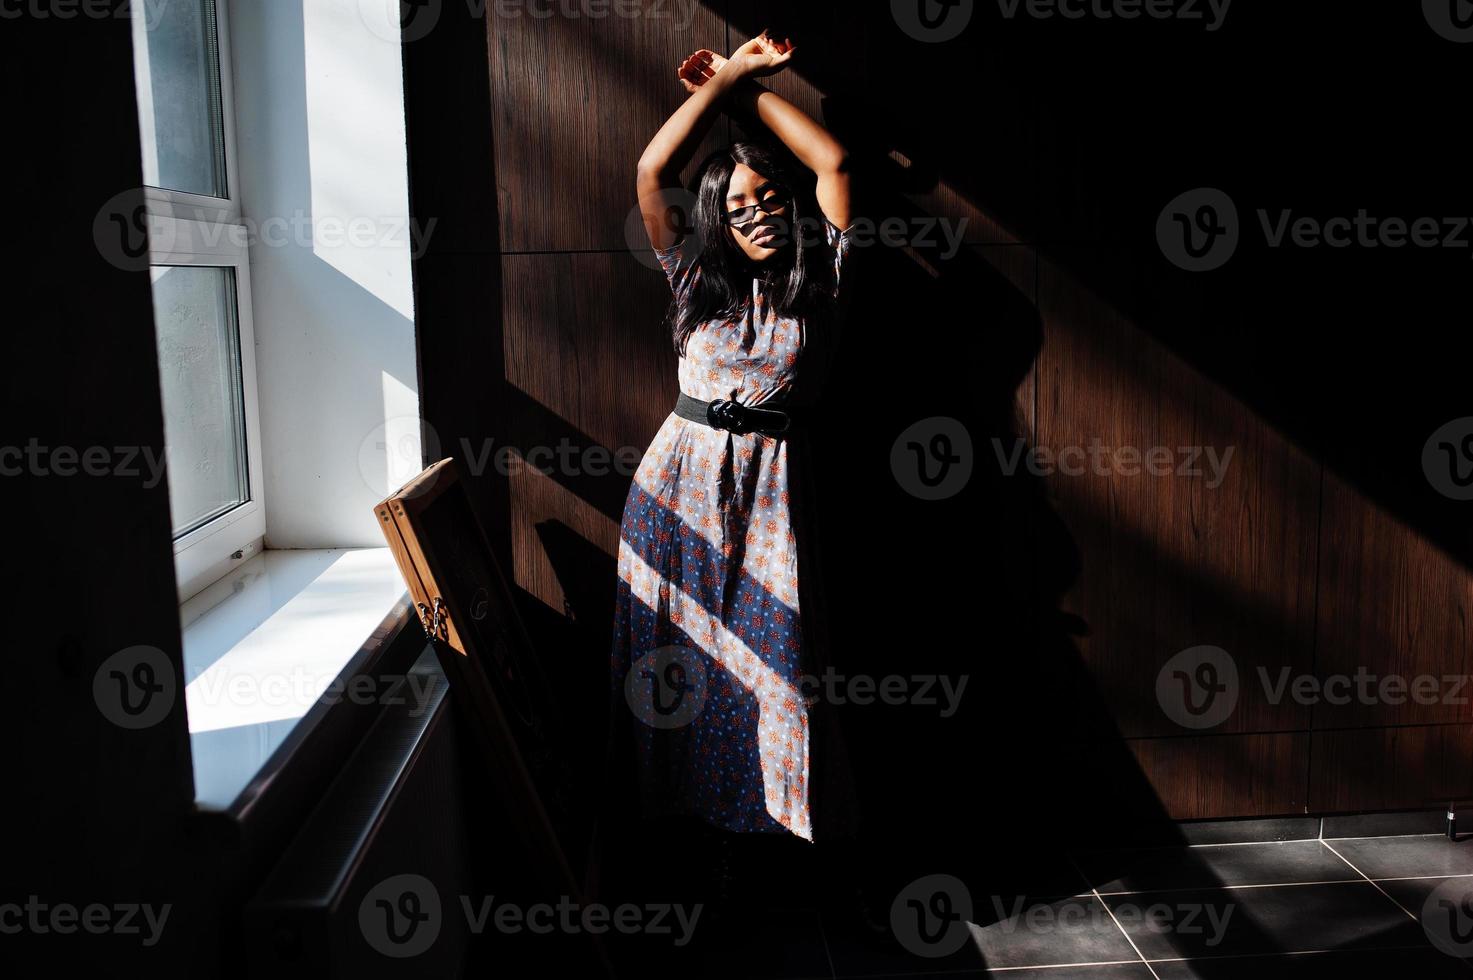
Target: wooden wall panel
x=1226, y=775
x=1392, y=605
x=1390, y=768
x=576, y=100
x=1017, y=265
x=835, y=48
x=897, y=103
x=1142, y=566
x=1167, y=561
x=588, y=364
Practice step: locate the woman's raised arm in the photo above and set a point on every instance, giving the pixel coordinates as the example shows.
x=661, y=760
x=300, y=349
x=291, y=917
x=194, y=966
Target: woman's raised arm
x=658, y=174
x=813, y=145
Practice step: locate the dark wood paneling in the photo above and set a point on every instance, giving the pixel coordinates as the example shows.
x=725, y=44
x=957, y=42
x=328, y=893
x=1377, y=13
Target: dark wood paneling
x=1168, y=562
x=1226, y=775
x=589, y=362
x=835, y=47
x=1392, y=606
x=447, y=95
x=1133, y=354
x=463, y=397
x=1018, y=267
x=576, y=100
x=1390, y=768
x=897, y=103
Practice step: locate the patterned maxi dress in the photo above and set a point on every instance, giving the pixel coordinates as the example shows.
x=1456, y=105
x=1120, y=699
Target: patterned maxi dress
x=712, y=559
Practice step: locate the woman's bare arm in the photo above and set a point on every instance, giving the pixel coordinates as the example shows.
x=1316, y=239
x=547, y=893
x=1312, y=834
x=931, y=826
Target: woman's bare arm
x=813, y=145
x=658, y=174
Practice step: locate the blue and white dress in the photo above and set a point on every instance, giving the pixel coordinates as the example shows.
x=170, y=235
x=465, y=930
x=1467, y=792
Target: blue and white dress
x=712, y=588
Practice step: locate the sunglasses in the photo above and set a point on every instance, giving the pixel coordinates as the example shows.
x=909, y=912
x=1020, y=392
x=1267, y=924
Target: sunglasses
x=773, y=203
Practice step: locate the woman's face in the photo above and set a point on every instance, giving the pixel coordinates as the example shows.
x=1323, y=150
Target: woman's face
x=760, y=234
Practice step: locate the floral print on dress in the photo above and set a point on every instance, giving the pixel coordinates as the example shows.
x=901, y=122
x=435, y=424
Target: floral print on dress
x=708, y=561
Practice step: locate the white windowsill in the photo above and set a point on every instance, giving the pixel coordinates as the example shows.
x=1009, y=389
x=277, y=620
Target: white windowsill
x=263, y=644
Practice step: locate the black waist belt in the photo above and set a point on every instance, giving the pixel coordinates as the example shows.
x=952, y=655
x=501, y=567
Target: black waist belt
x=736, y=417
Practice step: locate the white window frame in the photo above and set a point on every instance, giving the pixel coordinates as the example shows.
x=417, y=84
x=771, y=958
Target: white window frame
x=187, y=229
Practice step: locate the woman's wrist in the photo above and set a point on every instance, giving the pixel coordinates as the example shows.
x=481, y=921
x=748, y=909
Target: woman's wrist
x=734, y=72
x=745, y=92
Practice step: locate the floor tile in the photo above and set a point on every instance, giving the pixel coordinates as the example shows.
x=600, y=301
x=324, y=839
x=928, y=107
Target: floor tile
x=1090, y=971
x=1254, y=831
x=1421, y=964
x=1031, y=868
x=1107, y=971
x=1385, y=824
x=758, y=945
x=1020, y=932
x=858, y=954
x=1206, y=867
x=1040, y=933
x=1408, y=857
x=1273, y=919
x=1042, y=876
x=1439, y=904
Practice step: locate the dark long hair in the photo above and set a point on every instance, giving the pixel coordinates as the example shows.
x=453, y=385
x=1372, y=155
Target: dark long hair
x=796, y=281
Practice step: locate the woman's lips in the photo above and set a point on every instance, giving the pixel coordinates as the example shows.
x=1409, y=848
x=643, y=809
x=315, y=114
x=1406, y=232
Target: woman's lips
x=763, y=236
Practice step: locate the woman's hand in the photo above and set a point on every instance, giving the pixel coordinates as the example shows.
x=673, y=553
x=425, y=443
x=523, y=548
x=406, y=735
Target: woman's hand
x=763, y=56
x=757, y=58
x=696, y=69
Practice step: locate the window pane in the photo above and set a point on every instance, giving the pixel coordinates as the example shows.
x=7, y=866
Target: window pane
x=177, y=72
x=200, y=374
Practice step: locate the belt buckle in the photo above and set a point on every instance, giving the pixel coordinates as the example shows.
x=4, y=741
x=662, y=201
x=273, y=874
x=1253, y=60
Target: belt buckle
x=733, y=416
x=726, y=414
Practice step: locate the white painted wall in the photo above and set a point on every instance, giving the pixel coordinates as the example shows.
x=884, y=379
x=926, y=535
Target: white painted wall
x=319, y=108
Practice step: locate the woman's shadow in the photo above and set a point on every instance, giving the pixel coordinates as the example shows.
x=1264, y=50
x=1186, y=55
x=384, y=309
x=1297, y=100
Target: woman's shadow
x=980, y=744
x=947, y=596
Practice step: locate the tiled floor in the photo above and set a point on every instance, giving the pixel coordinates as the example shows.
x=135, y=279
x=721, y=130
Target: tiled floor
x=1374, y=906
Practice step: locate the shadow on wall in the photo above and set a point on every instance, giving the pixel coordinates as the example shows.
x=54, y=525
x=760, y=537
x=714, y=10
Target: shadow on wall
x=1057, y=322
x=1326, y=502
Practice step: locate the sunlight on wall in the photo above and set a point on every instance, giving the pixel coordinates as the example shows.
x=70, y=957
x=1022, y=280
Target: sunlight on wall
x=324, y=178
x=356, y=147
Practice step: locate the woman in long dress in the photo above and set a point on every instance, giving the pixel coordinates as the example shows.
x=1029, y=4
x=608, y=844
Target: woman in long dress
x=718, y=639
